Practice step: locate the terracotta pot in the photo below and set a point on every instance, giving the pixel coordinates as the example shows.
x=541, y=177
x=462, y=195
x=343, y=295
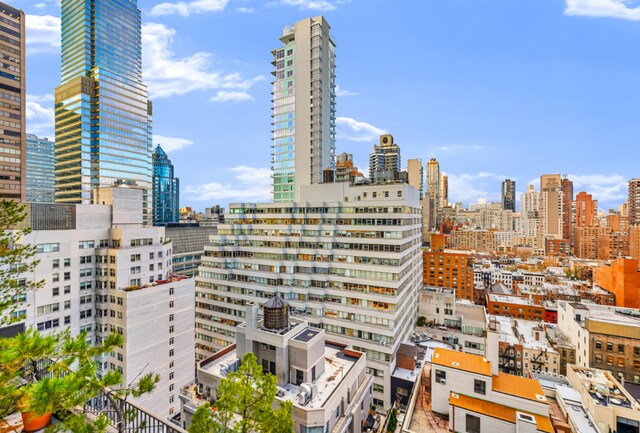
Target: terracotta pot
x=32, y=422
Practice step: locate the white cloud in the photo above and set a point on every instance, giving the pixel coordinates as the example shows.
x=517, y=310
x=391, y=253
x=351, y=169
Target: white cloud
x=185, y=9
x=168, y=75
x=40, y=115
x=344, y=92
x=231, y=96
x=458, y=148
x=318, y=5
x=470, y=187
x=603, y=8
x=354, y=130
x=43, y=34
x=249, y=184
x=245, y=10
x=40, y=6
x=610, y=190
x=170, y=144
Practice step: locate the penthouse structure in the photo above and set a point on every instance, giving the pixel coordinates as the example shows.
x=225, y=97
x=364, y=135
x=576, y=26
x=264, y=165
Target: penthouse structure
x=346, y=258
x=327, y=383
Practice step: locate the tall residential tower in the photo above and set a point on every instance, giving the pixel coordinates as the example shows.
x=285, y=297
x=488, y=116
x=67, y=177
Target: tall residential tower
x=12, y=99
x=304, y=107
x=103, y=116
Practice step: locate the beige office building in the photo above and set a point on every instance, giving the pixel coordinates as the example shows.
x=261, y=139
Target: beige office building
x=551, y=206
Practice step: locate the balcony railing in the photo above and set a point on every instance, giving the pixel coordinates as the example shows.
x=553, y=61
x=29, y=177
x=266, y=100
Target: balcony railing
x=136, y=419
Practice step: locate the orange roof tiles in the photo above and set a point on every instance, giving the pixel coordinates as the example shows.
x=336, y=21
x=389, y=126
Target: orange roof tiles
x=518, y=386
x=461, y=361
x=496, y=410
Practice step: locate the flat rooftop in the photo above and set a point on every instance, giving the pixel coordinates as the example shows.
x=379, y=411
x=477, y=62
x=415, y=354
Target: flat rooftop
x=306, y=335
x=604, y=389
x=337, y=365
x=512, y=329
x=510, y=299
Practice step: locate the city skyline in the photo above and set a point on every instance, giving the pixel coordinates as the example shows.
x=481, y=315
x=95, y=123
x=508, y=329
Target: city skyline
x=530, y=79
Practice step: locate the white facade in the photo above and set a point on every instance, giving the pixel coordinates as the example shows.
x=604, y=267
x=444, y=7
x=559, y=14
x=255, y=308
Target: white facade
x=87, y=267
x=346, y=258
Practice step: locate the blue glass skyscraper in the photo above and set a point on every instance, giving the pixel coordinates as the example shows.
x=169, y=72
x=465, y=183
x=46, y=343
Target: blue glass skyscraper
x=103, y=116
x=165, y=190
x=40, y=178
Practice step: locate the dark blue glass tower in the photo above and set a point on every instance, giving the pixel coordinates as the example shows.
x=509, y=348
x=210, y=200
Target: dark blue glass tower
x=165, y=190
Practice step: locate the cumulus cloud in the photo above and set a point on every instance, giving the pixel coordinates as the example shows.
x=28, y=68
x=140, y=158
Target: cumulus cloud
x=170, y=144
x=184, y=8
x=603, y=8
x=43, y=34
x=169, y=75
x=344, y=92
x=40, y=115
x=354, y=130
x=610, y=190
x=231, y=96
x=249, y=184
x=471, y=187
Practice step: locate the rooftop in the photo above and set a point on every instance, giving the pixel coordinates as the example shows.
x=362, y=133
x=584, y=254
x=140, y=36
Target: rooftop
x=306, y=335
x=603, y=388
x=519, y=331
x=518, y=386
x=461, y=361
x=499, y=411
x=337, y=364
x=575, y=411
x=510, y=299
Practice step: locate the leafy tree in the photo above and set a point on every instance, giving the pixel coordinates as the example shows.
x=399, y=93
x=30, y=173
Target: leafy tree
x=245, y=404
x=54, y=373
x=421, y=321
x=16, y=259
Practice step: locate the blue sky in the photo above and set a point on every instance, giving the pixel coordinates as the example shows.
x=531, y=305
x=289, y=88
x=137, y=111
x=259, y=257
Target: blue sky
x=492, y=88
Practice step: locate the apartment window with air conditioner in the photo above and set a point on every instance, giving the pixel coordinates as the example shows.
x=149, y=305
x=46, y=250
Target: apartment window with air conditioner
x=441, y=376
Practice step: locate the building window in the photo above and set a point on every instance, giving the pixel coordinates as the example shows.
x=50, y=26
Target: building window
x=598, y=344
x=479, y=386
x=55, y=291
x=609, y=360
x=473, y=424
x=441, y=376
x=598, y=358
x=620, y=362
x=610, y=347
x=620, y=348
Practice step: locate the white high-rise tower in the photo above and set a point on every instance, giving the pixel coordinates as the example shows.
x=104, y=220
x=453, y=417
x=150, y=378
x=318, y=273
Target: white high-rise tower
x=304, y=107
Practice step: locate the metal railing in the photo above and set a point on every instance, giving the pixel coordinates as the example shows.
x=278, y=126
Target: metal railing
x=135, y=419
